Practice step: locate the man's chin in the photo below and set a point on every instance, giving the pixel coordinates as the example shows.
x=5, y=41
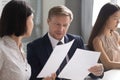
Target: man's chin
x=59, y=38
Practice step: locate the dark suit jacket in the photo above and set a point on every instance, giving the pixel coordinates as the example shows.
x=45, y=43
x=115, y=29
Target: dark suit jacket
x=40, y=50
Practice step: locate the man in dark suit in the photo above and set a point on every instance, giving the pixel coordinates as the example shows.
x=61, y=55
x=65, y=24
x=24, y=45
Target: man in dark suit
x=38, y=51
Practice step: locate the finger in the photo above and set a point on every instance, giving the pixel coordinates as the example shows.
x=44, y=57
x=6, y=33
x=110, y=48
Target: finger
x=47, y=78
x=97, y=72
x=53, y=75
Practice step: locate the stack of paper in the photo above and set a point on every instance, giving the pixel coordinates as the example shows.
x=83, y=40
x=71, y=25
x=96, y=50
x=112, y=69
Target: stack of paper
x=76, y=68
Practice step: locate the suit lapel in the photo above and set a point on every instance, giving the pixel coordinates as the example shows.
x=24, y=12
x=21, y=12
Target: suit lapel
x=66, y=39
x=49, y=48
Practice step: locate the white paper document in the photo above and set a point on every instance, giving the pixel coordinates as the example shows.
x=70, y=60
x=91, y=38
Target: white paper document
x=113, y=74
x=77, y=68
x=55, y=59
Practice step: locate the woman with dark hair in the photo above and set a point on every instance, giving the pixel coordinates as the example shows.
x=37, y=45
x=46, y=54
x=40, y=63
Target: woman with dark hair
x=16, y=23
x=105, y=38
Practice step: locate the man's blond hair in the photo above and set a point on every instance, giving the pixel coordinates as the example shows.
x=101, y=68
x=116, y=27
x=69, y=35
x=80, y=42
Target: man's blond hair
x=60, y=10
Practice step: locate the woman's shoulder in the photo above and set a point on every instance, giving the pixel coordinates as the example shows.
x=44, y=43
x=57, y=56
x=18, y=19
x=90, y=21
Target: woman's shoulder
x=97, y=40
x=1, y=46
x=1, y=43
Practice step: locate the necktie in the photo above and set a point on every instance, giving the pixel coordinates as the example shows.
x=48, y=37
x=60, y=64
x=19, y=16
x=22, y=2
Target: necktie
x=63, y=63
x=59, y=43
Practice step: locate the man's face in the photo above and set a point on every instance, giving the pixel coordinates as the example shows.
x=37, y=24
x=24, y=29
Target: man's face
x=58, y=26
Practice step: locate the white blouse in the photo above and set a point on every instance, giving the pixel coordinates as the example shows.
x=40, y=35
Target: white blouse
x=13, y=62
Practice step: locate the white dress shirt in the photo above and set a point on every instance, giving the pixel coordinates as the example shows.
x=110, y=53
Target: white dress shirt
x=54, y=41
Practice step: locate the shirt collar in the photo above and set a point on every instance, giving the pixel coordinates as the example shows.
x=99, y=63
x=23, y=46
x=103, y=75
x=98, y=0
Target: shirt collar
x=54, y=41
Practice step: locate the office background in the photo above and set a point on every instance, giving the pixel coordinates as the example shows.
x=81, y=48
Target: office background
x=84, y=11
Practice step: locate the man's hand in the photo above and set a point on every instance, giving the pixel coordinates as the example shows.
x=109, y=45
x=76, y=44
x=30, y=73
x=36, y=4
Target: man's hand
x=52, y=77
x=97, y=70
